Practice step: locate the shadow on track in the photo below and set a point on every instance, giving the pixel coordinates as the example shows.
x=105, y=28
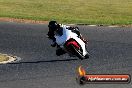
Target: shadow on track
x=44, y=61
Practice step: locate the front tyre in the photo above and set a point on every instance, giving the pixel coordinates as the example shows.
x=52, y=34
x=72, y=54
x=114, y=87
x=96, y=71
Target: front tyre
x=76, y=52
x=87, y=55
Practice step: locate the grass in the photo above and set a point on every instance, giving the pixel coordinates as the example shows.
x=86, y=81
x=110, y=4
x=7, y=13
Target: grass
x=3, y=58
x=70, y=11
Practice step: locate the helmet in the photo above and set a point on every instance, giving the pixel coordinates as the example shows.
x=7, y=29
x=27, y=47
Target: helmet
x=53, y=25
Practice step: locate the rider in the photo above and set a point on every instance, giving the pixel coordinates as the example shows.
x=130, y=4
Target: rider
x=54, y=27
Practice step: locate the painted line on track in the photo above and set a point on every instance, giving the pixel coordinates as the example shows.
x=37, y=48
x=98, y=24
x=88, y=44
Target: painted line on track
x=11, y=59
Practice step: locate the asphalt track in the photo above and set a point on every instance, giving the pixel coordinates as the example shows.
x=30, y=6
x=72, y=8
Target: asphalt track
x=39, y=67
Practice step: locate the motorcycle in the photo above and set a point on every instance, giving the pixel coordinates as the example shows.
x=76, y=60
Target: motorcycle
x=72, y=44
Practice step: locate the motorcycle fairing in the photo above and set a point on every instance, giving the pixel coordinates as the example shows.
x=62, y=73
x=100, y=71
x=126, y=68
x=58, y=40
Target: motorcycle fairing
x=67, y=34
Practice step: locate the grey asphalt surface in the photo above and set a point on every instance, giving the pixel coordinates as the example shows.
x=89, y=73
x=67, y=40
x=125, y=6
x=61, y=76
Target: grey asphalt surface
x=39, y=67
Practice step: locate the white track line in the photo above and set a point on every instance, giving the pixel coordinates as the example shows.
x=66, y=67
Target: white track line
x=11, y=59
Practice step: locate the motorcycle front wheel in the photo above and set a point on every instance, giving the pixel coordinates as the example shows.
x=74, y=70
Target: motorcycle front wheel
x=76, y=52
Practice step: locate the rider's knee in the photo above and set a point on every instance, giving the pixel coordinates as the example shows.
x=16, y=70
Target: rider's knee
x=60, y=52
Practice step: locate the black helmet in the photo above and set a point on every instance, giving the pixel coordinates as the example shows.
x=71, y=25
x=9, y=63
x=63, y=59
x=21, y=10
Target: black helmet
x=53, y=25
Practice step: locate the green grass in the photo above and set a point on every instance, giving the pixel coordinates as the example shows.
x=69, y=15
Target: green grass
x=70, y=11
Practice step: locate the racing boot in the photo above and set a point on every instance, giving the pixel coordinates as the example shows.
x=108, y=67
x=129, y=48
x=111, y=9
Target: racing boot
x=60, y=51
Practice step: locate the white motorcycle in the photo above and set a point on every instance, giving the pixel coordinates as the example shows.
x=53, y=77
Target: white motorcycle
x=72, y=44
